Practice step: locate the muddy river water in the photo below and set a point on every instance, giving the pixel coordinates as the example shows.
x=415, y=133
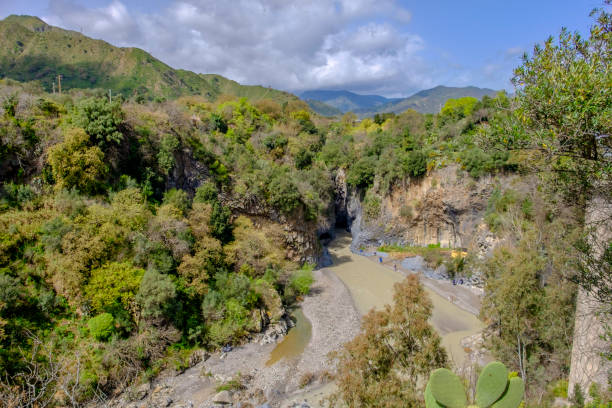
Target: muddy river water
x=371, y=286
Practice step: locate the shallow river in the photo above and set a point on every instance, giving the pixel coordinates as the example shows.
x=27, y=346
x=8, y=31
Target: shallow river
x=371, y=286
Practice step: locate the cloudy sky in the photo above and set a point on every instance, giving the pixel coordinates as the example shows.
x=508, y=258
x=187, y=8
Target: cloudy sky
x=386, y=47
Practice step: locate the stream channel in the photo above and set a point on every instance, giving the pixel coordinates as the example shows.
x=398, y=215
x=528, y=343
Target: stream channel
x=371, y=286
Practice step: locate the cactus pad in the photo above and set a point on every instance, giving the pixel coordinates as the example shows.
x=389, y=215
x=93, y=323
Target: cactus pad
x=447, y=389
x=430, y=401
x=513, y=396
x=491, y=384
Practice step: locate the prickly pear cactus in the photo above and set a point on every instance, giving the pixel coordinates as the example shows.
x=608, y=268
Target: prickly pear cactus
x=494, y=389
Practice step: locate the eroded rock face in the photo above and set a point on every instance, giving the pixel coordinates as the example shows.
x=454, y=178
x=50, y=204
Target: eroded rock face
x=446, y=207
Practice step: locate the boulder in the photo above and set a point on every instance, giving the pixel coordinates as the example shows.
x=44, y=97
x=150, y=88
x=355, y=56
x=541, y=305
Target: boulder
x=223, y=397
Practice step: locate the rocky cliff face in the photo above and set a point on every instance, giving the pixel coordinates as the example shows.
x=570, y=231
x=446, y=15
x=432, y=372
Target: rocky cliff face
x=446, y=207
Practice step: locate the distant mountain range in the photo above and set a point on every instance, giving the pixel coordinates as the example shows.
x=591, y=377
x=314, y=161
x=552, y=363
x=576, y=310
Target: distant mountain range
x=427, y=101
x=32, y=50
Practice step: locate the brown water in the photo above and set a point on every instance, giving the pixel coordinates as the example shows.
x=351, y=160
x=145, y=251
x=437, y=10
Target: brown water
x=371, y=286
x=296, y=340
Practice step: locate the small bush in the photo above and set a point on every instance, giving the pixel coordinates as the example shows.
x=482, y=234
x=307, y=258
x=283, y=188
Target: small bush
x=177, y=198
x=102, y=326
x=206, y=193
x=361, y=174
x=414, y=163
x=371, y=206
x=306, y=379
x=301, y=280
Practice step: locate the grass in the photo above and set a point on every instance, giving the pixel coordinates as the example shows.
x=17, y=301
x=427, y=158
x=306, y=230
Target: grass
x=433, y=254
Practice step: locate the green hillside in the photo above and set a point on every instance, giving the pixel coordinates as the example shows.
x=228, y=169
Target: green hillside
x=430, y=100
x=32, y=50
x=323, y=108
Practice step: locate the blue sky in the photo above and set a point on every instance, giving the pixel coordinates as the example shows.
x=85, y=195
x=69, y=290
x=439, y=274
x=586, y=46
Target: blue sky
x=387, y=47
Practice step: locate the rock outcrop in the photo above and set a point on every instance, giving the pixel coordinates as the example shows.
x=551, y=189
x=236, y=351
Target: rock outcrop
x=444, y=208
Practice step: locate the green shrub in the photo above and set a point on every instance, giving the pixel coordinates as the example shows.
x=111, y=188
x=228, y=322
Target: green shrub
x=361, y=174
x=75, y=164
x=102, y=326
x=114, y=285
x=177, y=198
x=16, y=195
x=220, y=225
x=52, y=232
x=283, y=193
x=100, y=119
x=206, y=193
x=302, y=279
x=165, y=157
x=156, y=294
x=414, y=163
x=371, y=205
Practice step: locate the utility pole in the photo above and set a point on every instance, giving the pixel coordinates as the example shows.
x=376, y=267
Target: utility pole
x=110, y=96
x=53, y=83
x=59, y=83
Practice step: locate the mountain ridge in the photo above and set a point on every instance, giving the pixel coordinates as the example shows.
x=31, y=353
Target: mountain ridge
x=32, y=50
x=425, y=101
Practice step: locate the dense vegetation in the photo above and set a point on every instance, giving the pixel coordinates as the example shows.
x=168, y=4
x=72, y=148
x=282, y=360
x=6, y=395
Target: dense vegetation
x=111, y=249
x=133, y=231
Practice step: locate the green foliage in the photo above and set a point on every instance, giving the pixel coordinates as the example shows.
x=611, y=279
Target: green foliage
x=100, y=119
x=114, y=286
x=491, y=384
x=220, y=225
x=178, y=199
x=52, y=233
x=477, y=162
x=165, y=157
x=16, y=195
x=283, y=192
x=370, y=375
x=206, y=193
x=76, y=165
x=361, y=174
x=301, y=280
x=494, y=389
x=371, y=205
x=102, y=326
x=414, y=163
x=155, y=295
x=459, y=108
x=447, y=388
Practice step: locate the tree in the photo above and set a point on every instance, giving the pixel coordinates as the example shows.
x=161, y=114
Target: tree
x=155, y=295
x=100, y=119
x=114, y=286
x=75, y=164
x=387, y=363
x=562, y=117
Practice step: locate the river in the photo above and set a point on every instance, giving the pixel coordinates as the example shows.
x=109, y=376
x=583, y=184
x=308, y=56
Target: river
x=371, y=286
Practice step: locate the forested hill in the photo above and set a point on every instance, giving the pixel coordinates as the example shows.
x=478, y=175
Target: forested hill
x=432, y=100
x=426, y=101
x=32, y=50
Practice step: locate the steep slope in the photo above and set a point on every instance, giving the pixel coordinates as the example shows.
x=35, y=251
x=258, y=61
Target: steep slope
x=32, y=50
x=221, y=85
x=347, y=101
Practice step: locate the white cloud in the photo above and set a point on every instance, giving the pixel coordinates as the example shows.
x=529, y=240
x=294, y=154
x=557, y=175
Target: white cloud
x=285, y=44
